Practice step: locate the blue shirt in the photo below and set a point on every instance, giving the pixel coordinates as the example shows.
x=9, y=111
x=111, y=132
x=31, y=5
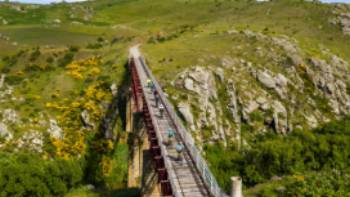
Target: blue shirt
x=179, y=147
x=171, y=133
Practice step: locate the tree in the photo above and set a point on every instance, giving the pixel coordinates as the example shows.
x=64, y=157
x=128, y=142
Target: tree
x=26, y=174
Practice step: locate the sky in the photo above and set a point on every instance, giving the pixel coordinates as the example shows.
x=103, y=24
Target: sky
x=50, y=1
x=43, y=1
x=333, y=1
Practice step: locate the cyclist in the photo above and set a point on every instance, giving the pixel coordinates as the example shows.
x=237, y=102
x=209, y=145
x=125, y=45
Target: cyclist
x=179, y=149
x=170, y=135
x=161, y=110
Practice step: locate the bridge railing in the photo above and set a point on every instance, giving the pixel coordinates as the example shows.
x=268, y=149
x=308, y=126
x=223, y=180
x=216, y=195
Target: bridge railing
x=168, y=165
x=188, y=140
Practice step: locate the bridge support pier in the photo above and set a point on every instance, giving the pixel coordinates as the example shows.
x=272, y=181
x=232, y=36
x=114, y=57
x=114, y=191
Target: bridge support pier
x=236, y=190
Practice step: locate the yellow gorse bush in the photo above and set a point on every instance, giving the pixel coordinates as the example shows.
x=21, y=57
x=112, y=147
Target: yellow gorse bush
x=73, y=142
x=68, y=148
x=76, y=68
x=95, y=71
x=106, y=166
x=55, y=106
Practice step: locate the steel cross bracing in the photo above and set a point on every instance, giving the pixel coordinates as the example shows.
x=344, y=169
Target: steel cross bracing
x=189, y=177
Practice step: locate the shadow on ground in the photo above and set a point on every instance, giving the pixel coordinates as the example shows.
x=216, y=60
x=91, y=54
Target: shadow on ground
x=131, y=192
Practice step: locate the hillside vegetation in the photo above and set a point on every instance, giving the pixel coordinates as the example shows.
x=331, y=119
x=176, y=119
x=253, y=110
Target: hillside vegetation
x=256, y=83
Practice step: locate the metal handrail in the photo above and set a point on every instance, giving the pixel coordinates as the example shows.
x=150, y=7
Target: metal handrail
x=200, y=163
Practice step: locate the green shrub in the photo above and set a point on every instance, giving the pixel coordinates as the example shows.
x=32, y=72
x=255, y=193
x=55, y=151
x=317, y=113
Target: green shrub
x=74, y=48
x=32, y=68
x=321, y=149
x=50, y=60
x=330, y=183
x=94, y=46
x=26, y=174
x=14, y=79
x=35, y=54
x=67, y=58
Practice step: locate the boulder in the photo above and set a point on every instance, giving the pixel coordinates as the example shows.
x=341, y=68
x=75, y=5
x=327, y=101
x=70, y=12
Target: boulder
x=281, y=189
x=201, y=81
x=32, y=140
x=278, y=107
x=76, y=23
x=114, y=89
x=86, y=120
x=281, y=80
x=54, y=130
x=4, y=22
x=5, y=132
x=228, y=62
x=263, y=103
x=188, y=84
x=311, y=120
x=252, y=106
x=280, y=122
x=232, y=31
x=219, y=72
x=185, y=110
x=2, y=80
x=290, y=48
x=266, y=79
x=337, y=61
x=57, y=21
x=9, y=116
x=90, y=187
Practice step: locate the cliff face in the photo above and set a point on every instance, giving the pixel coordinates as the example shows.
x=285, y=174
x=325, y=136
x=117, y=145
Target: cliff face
x=276, y=88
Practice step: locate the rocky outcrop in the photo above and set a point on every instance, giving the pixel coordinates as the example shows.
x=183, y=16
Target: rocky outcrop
x=6, y=93
x=188, y=84
x=234, y=109
x=342, y=17
x=291, y=49
x=2, y=80
x=4, y=21
x=4, y=37
x=9, y=116
x=31, y=140
x=211, y=115
x=114, y=89
x=280, y=118
x=185, y=110
x=266, y=79
x=278, y=83
x=5, y=132
x=327, y=78
x=290, y=91
x=85, y=13
x=57, y=21
x=54, y=130
x=202, y=83
x=86, y=120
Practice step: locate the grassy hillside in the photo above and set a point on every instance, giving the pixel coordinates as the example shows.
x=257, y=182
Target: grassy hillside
x=65, y=61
